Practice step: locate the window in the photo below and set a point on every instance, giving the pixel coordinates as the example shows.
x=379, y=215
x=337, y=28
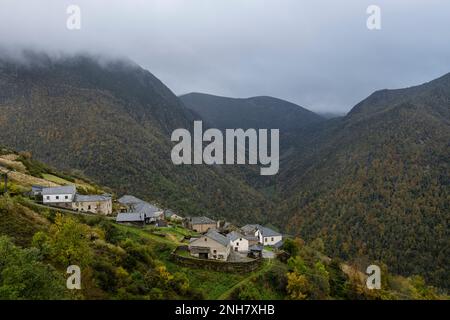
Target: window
x=57, y=197
x=67, y=197
x=206, y=239
x=265, y=239
x=237, y=243
x=272, y=239
x=48, y=197
x=214, y=251
x=89, y=207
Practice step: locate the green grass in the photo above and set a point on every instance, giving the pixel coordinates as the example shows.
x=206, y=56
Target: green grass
x=19, y=222
x=162, y=241
x=62, y=181
x=213, y=284
x=55, y=179
x=253, y=275
x=178, y=232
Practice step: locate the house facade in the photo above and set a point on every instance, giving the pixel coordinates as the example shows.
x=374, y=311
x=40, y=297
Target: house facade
x=99, y=204
x=59, y=196
x=238, y=242
x=211, y=245
x=200, y=224
x=265, y=236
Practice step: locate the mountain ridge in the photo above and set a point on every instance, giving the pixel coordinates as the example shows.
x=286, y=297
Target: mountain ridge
x=114, y=123
x=252, y=112
x=375, y=182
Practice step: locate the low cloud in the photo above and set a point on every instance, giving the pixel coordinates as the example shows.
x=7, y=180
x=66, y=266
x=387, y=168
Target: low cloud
x=318, y=54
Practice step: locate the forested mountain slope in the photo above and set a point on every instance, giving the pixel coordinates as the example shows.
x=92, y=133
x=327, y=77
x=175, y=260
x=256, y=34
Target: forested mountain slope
x=113, y=120
x=255, y=112
x=376, y=183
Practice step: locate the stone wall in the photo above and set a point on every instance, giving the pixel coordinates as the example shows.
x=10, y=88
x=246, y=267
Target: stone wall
x=215, y=265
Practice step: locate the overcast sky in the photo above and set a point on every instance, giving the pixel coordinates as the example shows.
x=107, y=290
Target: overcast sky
x=317, y=53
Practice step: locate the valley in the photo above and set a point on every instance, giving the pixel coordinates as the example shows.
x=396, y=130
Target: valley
x=371, y=186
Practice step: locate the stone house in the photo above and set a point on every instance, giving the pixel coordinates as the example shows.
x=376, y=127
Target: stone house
x=101, y=204
x=200, y=224
x=211, y=245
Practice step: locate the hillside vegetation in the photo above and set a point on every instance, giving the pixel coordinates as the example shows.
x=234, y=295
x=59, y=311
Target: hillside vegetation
x=112, y=120
x=376, y=183
x=373, y=185
x=37, y=243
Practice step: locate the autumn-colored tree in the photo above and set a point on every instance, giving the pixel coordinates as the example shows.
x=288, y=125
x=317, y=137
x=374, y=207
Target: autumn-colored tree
x=298, y=286
x=67, y=243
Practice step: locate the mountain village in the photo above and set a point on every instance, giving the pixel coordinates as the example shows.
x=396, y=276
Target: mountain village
x=216, y=240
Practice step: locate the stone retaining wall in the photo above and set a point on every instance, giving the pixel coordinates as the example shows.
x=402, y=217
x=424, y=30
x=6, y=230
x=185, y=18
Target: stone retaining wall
x=241, y=267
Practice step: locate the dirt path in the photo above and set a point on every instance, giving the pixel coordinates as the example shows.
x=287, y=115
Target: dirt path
x=265, y=268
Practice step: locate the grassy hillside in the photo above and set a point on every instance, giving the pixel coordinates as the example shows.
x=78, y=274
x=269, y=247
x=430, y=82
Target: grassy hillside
x=128, y=262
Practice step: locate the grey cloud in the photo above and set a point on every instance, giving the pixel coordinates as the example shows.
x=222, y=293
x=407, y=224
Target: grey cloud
x=318, y=54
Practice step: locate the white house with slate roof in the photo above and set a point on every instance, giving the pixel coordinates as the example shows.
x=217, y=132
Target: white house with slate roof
x=238, y=242
x=61, y=196
x=267, y=236
x=211, y=245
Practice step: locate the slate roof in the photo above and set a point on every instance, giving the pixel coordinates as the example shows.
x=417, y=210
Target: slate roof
x=59, y=190
x=127, y=199
x=129, y=217
x=249, y=228
x=279, y=244
x=201, y=220
x=91, y=198
x=233, y=235
x=214, y=235
x=256, y=247
x=266, y=232
x=168, y=213
x=147, y=209
x=137, y=205
x=251, y=238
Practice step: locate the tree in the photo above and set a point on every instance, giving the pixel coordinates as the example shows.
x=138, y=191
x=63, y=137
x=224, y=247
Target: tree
x=67, y=243
x=24, y=276
x=298, y=286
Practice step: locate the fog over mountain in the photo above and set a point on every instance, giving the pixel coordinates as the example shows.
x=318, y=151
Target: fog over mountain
x=318, y=54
